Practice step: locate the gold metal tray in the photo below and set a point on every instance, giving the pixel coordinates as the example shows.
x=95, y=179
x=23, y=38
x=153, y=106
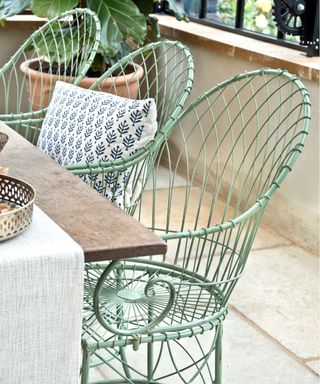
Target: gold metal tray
x=21, y=195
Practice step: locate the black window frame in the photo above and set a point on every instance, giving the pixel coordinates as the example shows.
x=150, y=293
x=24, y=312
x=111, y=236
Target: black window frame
x=238, y=27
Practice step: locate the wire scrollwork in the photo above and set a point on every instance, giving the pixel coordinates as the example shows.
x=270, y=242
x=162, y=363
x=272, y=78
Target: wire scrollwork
x=130, y=306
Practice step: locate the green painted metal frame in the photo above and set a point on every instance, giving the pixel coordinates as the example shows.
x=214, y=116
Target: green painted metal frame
x=225, y=155
x=64, y=47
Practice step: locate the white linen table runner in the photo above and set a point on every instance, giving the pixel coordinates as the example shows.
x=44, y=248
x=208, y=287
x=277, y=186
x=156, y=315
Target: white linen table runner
x=41, y=286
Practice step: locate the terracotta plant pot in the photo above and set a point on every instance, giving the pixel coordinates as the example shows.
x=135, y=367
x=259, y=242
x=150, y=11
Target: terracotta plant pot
x=40, y=85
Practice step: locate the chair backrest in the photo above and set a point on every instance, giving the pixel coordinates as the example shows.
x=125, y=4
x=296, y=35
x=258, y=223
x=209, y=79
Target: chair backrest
x=227, y=154
x=163, y=70
x=62, y=49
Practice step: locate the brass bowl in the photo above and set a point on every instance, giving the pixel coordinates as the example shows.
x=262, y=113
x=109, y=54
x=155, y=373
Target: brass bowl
x=21, y=195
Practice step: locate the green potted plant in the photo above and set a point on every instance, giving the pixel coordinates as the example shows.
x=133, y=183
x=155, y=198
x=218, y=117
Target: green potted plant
x=125, y=26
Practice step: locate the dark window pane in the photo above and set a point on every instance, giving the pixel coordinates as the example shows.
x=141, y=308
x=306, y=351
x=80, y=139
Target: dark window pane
x=258, y=17
x=212, y=13
x=226, y=11
x=192, y=7
x=294, y=39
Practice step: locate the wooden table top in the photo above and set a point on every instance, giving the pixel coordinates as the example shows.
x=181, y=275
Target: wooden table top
x=103, y=230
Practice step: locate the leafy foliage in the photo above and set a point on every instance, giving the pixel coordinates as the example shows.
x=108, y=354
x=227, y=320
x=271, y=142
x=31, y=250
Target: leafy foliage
x=120, y=20
x=59, y=44
x=52, y=8
x=125, y=24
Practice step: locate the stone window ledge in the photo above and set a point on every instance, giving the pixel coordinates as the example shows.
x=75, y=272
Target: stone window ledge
x=241, y=47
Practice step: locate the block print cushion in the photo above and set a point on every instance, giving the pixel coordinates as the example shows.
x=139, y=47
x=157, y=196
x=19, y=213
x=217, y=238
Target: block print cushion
x=86, y=127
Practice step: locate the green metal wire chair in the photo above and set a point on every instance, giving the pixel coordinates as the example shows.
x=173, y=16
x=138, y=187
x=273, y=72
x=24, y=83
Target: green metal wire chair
x=62, y=49
x=229, y=151
x=164, y=71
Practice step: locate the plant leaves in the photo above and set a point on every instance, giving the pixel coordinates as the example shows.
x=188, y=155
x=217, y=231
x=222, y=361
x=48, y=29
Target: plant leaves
x=10, y=8
x=120, y=20
x=61, y=45
x=52, y=8
x=145, y=6
x=153, y=30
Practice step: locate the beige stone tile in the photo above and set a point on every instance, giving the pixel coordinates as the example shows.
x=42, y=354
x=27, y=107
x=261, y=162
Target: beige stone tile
x=180, y=209
x=314, y=365
x=248, y=358
x=267, y=238
x=96, y=374
x=163, y=180
x=176, y=217
x=280, y=293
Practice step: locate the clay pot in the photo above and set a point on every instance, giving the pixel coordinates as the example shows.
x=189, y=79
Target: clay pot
x=40, y=85
x=122, y=85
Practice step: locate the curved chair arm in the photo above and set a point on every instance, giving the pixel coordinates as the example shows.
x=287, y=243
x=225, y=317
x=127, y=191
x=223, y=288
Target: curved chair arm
x=26, y=117
x=147, y=152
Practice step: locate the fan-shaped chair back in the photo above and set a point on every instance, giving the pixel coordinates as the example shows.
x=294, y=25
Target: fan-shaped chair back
x=163, y=71
x=229, y=152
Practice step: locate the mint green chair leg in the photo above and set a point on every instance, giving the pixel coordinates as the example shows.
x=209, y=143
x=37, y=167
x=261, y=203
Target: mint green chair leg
x=150, y=361
x=85, y=363
x=218, y=355
x=122, y=350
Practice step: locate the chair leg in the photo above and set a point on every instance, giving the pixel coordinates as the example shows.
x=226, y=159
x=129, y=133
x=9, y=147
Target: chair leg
x=218, y=356
x=124, y=360
x=122, y=350
x=85, y=364
x=150, y=361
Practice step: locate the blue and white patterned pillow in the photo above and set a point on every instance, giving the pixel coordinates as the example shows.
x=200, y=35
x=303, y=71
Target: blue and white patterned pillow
x=85, y=127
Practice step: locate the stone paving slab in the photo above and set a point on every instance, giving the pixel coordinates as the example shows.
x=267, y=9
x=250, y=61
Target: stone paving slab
x=95, y=375
x=251, y=358
x=280, y=293
x=248, y=358
x=267, y=238
x=315, y=366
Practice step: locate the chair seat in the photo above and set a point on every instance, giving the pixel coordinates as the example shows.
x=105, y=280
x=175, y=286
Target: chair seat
x=130, y=301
